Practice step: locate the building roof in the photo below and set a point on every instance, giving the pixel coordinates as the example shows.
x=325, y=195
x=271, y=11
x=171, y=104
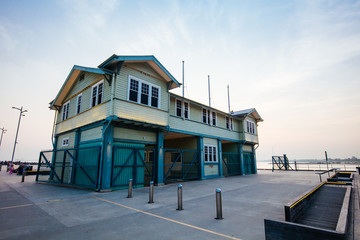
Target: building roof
x=69, y=82
x=247, y=112
x=114, y=60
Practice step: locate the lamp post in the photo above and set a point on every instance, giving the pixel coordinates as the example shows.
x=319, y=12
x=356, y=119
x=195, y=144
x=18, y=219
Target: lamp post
x=17, y=131
x=3, y=130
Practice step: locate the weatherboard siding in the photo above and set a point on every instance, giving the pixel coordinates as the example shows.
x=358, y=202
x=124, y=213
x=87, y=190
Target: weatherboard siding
x=91, y=134
x=122, y=82
x=139, y=112
x=134, y=135
x=71, y=137
x=93, y=115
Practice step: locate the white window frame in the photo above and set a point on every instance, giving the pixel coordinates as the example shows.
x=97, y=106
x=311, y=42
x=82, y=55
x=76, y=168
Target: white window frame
x=182, y=109
x=65, y=111
x=78, y=104
x=229, y=123
x=65, y=142
x=97, y=94
x=210, y=153
x=151, y=86
x=209, y=117
x=250, y=127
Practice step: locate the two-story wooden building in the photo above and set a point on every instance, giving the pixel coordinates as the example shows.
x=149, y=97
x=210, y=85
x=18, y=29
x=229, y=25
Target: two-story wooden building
x=120, y=121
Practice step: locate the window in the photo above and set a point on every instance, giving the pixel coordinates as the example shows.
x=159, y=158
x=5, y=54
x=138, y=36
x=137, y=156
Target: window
x=209, y=117
x=97, y=94
x=144, y=94
x=182, y=109
x=149, y=95
x=65, y=113
x=154, y=97
x=78, y=103
x=65, y=142
x=229, y=123
x=210, y=154
x=134, y=88
x=250, y=127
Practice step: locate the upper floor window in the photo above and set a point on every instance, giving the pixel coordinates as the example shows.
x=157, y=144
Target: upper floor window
x=209, y=117
x=210, y=153
x=149, y=93
x=78, y=103
x=229, y=123
x=97, y=94
x=65, y=111
x=250, y=127
x=182, y=109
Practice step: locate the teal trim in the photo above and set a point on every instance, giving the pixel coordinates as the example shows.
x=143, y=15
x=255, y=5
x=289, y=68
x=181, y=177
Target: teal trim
x=241, y=158
x=160, y=158
x=107, y=146
x=200, y=148
x=203, y=135
x=254, y=156
x=139, y=58
x=98, y=140
x=220, y=158
x=75, y=67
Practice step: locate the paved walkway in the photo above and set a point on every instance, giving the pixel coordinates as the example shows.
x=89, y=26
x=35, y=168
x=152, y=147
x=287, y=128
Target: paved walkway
x=39, y=211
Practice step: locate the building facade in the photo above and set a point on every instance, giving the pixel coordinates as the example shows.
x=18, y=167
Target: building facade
x=120, y=121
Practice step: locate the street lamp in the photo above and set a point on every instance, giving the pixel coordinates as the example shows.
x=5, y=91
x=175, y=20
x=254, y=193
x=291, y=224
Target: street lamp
x=3, y=130
x=17, y=131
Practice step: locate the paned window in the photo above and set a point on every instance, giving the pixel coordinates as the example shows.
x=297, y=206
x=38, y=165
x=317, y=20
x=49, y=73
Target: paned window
x=97, y=94
x=209, y=117
x=229, y=123
x=78, y=103
x=65, y=113
x=154, y=96
x=144, y=94
x=250, y=127
x=134, y=89
x=182, y=109
x=150, y=94
x=210, y=154
x=65, y=142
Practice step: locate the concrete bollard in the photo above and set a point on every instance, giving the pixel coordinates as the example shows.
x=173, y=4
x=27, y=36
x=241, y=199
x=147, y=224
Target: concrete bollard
x=218, y=205
x=151, y=192
x=130, y=188
x=180, y=204
x=23, y=176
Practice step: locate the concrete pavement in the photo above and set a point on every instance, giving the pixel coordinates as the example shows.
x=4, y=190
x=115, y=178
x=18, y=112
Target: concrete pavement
x=40, y=211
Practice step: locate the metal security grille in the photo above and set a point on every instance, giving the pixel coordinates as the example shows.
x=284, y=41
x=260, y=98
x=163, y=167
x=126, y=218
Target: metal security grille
x=76, y=166
x=180, y=164
x=249, y=166
x=132, y=161
x=231, y=163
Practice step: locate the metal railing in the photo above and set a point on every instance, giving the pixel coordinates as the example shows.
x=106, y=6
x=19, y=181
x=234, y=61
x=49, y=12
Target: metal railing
x=181, y=164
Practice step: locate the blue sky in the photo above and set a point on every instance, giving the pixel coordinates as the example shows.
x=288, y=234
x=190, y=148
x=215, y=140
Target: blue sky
x=296, y=62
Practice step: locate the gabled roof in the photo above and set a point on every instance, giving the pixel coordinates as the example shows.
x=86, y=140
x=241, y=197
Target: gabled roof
x=247, y=112
x=112, y=61
x=69, y=82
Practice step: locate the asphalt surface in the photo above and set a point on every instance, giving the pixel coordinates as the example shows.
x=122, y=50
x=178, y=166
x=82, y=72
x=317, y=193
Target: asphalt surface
x=39, y=211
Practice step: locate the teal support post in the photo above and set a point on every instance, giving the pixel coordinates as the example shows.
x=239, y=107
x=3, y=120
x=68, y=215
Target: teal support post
x=53, y=158
x=159, y=177
x=106, y=160
x=254, y=156
x=201, y=156
x=76, y=145
x=241, y=158
x=220, y=159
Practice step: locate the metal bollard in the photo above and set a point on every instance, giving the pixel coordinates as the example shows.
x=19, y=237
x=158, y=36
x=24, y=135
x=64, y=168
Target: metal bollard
x=151, y=192
x=218, y=205
x=23, y=176
x=130, y=188
x=180, y=205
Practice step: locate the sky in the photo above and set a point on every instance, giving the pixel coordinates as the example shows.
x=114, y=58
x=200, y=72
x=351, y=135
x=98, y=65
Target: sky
x=296, y=62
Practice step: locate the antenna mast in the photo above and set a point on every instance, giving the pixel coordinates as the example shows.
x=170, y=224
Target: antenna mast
x=228, y=92
x=183, y=79
x=209, y=90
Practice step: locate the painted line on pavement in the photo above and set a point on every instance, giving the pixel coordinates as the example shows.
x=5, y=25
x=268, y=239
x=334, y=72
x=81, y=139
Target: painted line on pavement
x=167, y=219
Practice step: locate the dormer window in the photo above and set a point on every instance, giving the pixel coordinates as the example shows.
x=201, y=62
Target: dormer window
x=149, y=93
x=250, y=127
